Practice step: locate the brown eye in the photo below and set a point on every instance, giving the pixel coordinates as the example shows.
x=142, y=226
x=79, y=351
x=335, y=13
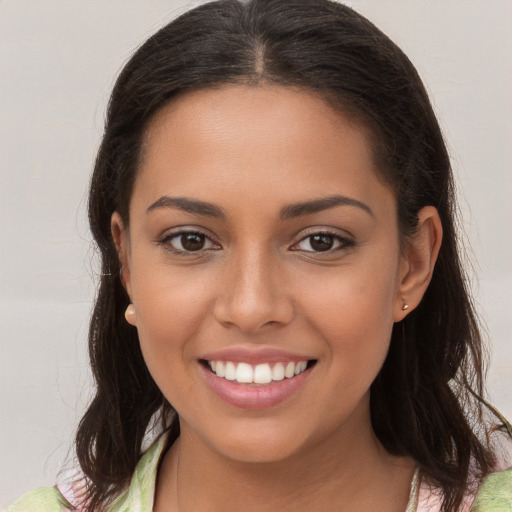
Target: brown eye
x=187, y=242
x=192, y=241
x=323, y=242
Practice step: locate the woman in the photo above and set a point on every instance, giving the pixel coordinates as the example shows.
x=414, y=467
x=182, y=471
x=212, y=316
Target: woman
x=281, y=291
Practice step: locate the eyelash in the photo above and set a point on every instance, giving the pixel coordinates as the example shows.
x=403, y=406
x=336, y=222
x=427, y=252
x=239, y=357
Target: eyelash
x=343, y=242
x=166, y=242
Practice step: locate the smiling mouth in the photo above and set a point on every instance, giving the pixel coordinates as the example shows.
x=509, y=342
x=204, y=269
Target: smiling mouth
x=264, y=373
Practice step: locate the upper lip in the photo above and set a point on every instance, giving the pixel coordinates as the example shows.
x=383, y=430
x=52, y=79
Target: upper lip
x=254, y=355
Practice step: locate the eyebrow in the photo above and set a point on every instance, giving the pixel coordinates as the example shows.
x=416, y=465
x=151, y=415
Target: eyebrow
x=318, y=205
x=188, y=205
x=288, y=212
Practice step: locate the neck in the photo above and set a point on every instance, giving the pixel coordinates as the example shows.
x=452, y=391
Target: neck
x=334, y=474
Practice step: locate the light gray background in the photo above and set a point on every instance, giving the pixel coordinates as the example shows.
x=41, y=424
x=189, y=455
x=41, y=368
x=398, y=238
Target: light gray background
x=58, y=60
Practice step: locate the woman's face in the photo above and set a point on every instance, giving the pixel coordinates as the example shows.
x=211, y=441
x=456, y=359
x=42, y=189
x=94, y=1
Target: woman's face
x=262, y=242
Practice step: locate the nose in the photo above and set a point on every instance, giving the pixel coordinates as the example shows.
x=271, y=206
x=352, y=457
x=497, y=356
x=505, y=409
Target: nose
x=253, y=294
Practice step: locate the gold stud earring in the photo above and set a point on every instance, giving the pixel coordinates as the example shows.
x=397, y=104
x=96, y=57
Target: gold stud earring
x=129, y=314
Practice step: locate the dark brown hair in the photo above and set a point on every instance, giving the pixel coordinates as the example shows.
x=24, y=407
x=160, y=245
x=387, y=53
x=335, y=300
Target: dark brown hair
x=426, y=400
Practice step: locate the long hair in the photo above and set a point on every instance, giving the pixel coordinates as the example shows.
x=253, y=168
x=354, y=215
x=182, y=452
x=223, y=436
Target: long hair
x=427, y=400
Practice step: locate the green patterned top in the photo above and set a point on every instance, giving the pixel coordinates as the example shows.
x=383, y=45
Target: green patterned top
x=495, y=494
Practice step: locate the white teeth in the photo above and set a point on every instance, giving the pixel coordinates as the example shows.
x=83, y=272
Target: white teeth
x=289, y=371
x=230, y=371
x=244, y=373
x=264, y=373
x=300, y=367
x=278, y=372
x=219, y=369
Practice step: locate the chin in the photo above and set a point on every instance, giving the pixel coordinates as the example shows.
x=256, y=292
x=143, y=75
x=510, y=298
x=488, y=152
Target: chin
x=261, y=452
x=255, y=442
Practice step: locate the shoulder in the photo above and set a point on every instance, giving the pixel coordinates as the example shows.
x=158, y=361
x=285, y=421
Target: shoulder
x=139, y=495
x=44, y=499
x=495, y=493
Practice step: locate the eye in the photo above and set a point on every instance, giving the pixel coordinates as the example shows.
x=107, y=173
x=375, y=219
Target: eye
x=322, y=242
x=188, y=242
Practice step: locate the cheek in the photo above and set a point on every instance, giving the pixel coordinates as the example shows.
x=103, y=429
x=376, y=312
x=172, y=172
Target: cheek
x=171, y=308
x=359, y=296
x=353, y=312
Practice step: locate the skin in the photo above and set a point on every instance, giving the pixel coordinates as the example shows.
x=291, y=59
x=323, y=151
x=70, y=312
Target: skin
x=252, y=151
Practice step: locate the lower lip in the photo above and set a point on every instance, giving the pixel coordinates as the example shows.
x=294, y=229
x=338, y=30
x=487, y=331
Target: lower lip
x=250, y=396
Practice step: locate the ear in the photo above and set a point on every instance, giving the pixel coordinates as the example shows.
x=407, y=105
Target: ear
x=121, y=241
x=417, y=262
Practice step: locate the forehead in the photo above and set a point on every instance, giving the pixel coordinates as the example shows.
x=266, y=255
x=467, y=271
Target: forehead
x=264, y=114
x=263, y=140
